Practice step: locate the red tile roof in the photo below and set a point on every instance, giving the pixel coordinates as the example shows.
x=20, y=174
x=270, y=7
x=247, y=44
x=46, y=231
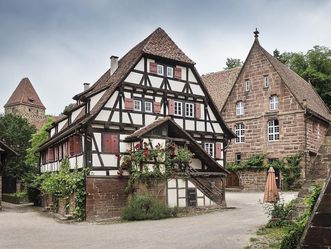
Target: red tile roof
x=25, y=94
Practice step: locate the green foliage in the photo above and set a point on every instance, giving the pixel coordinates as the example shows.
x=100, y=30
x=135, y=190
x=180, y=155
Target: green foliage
x=314, y=66
x=289, y=167
x=63, y=184
x=145, y=162
x=17, y=198
x=232, y=63
x=145, y=207
x=37, y=139
x=16, y=132
x=280, y=214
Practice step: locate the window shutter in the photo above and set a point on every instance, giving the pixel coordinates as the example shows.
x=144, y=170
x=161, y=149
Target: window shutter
x=128, y=103
x=56, y=153
x=43, y=157
x=218, y=151
x=171, y=107
x=114, y=144
x=178, y=73
x=60, y=151
x=153, y=67
x=106, y=142
x=77, y=145
x=157, y=107
x=71, y=146
x=197, y=110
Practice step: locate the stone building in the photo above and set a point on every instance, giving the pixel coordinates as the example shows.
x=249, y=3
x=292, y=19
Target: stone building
x=25, y=102
x=271, y=109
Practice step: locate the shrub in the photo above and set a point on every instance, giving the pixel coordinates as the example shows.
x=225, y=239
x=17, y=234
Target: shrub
x=145, y=207
x=280, y=214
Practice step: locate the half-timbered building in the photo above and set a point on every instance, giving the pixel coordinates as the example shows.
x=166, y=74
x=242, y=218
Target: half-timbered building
x=152, y=94
x=272, y=110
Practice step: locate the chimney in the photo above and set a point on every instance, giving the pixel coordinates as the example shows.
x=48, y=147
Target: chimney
x=113, y=64
x=86, y=86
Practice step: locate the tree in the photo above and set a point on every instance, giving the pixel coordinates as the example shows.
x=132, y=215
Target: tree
x=37, y=139
x=314, y=66
x=232, y=63
x=69, y=107
x=16, y=132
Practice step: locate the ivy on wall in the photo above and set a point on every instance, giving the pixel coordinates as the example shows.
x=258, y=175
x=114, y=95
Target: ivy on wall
x=145, y=162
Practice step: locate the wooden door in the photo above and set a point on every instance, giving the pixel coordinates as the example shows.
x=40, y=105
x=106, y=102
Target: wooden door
x=232, y=180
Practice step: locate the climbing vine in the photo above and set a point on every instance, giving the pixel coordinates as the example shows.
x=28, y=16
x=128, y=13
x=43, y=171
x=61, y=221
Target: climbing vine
x=63, y=184
x=145, y=162
x=289, y=166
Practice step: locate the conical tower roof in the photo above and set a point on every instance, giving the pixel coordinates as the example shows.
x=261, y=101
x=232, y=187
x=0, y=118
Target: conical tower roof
x=25, y=94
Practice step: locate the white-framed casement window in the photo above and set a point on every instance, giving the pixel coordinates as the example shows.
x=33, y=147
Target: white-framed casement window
x=137, y=105
x=273, y=130
x=148, y=106
x=159, y=69
x=247, y=85
x=189, y=110
x=178, y=108
x=240, y=109
x=209, y=148
x=274, y=103
x=240, y=132
x=170, y=72
x=265, y=81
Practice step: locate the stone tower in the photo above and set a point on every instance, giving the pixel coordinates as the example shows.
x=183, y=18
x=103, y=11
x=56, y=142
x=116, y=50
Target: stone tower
x=25, y=102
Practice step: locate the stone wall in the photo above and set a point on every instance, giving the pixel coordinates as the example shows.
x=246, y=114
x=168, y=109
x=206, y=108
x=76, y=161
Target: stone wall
x=106, y=196
x=252, y=180
x=35, y=116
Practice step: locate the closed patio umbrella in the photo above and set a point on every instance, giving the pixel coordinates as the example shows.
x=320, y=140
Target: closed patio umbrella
x=271, y=194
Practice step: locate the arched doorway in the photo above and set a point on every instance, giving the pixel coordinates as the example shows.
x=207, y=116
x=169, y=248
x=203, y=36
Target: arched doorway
x=232, y=180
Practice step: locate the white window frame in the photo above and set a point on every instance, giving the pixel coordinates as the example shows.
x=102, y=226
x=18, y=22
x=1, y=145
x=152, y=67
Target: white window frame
x=247, y=85
x=240, y=133
x=210, y=149
x=189, y=110
x=159, y=69
x=170, y=72
x=273, y=103
x=273, y=130
x=240, y=108
x=265, y=81
x=150, y=104
x=178, y=108
x=135, y=107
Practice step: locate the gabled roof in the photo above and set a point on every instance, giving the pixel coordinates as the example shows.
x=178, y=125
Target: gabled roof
x=25, y=94
x=156, y=44
x=5, y=148
x=219, y=84
x=193, y=145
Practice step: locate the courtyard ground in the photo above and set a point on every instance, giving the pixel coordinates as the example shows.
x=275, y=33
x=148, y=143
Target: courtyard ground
x=227, y=229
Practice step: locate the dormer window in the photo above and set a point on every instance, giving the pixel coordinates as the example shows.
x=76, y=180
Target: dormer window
x=265, y=81
x=170, y=72
x=240, y=109
x=247, y=85
x=160, y=70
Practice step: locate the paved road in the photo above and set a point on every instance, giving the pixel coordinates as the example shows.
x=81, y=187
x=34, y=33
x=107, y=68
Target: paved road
x=230, y=229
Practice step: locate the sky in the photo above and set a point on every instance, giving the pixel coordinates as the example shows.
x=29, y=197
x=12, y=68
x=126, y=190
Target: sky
x=60, y=44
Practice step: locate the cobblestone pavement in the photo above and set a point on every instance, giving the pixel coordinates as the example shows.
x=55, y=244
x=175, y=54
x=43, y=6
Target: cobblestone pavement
x=229, y=229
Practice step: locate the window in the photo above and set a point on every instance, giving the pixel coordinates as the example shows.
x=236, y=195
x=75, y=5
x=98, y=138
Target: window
x=238, y=158
x=247, y=85
x=159, y=70
x=240, y=108
x=178, y=108
x=273, y=130
x=148, y=106
x=266, y=81
x=137, y=105
x=209, y=148
x=274, y=103
x=170, y=72
x=240, y=133
x=189, y=110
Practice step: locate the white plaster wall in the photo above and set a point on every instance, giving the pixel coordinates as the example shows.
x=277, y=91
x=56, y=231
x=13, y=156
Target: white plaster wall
x=125, y=118
x=111, y=102
x=155, y=81
x=172, y=197
x=116, y=117
x=137, y=118
x=218, y=128
x=103, y=115
x=52, y=132
x=149, y=119
x=189, y=125
x=75, y=114
x=134, y=77
x=196, y=163
x=97, y=136
x=124, y=147
x=191, y=77
x=95, y=98
x=211, y=114
x=109, y=160
x=200, y=126
x=179, y=121
x=176, y=86
x=98, y=173
x=95, y=160
x=61, y=124
x=140, y=65
x=196, y=89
